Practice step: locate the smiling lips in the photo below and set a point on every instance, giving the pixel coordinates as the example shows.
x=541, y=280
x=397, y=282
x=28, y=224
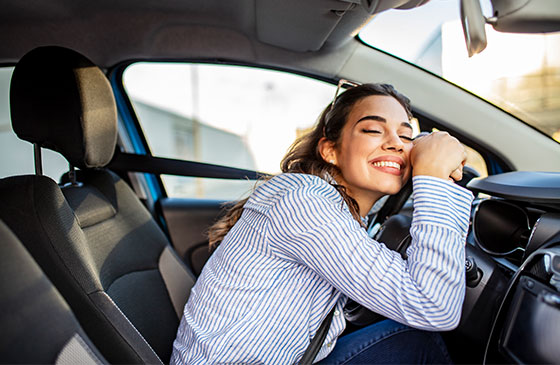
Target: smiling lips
x=388, y=164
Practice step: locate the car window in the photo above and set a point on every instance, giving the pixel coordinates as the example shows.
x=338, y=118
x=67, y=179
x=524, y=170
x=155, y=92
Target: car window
x=519, y=73
x=234, y=116
x=16, y=156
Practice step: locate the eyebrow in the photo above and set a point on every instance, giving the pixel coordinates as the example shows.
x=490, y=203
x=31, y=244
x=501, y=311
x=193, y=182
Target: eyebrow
x=377, y=118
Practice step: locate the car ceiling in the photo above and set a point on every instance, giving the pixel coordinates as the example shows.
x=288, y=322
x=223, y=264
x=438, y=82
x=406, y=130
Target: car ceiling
x=254, y=31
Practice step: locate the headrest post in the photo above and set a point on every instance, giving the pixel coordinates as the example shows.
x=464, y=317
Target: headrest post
x=72, y=176
x=38, y=159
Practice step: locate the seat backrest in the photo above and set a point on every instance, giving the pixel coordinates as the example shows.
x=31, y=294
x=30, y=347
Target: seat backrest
x=93, y=237
x=37, y=325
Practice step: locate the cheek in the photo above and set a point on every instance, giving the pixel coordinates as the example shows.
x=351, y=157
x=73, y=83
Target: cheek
x=408, y=170
x=352, y=149
x=362, y=146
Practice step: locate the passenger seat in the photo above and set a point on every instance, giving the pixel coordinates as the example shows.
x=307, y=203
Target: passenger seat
x=37, y=325
x=93, y=237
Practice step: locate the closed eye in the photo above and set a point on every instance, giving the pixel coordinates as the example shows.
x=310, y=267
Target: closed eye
x=373, y=131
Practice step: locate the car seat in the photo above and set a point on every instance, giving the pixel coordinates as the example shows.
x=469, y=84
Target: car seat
x=93, y=237
x=37, y=325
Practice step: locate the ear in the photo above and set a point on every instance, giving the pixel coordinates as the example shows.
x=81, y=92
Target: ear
x=327, y=150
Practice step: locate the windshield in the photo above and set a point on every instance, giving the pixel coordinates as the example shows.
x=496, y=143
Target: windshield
x=519, y=73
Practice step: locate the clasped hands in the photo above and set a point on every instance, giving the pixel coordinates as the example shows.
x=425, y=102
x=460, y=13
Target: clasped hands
x=438, y=154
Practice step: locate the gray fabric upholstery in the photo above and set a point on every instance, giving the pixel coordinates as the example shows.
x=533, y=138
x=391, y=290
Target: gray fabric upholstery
x=138, y=344
x=173, y=273
x=62, y=101
x=142, y=296
x=127, y=251
x=116, y=257
x=35, y=209
x=36, y=322
x=76, y=351
x=90, y=206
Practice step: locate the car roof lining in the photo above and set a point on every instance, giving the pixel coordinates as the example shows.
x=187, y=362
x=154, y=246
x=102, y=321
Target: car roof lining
x=109, y=32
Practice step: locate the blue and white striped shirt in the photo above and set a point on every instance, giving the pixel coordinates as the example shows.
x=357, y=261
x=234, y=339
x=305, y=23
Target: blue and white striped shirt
x=296, y=251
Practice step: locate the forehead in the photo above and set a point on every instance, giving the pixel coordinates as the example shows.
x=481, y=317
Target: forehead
x=383, y=106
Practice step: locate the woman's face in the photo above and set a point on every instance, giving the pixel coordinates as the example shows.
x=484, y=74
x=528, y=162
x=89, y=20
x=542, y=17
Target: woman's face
x=373, y=150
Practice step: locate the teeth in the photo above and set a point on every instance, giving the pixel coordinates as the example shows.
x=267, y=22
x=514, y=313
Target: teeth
x=387, y=164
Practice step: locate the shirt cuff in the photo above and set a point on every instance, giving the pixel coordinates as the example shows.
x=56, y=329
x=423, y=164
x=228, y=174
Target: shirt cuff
x=441, y=203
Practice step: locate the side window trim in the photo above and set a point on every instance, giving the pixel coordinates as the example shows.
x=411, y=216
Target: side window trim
x=134, y=141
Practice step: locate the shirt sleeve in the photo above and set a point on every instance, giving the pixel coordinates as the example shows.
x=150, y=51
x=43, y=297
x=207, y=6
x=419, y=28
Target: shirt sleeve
x=312, y=226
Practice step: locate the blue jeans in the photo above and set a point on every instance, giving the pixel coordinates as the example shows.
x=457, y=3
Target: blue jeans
x=389, y=342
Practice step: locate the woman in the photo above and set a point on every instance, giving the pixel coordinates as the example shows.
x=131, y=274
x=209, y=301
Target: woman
x=297, y=247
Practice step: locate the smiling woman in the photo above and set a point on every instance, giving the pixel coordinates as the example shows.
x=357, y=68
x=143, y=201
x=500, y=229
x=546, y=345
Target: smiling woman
x=296, y=249
x=382, y=141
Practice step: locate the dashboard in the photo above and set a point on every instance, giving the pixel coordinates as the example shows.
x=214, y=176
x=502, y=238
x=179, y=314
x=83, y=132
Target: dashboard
x=520, y=215
x=513, y=267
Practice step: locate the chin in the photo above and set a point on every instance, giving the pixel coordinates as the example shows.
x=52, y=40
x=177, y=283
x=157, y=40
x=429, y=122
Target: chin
x=392, y=191
x=390, y=188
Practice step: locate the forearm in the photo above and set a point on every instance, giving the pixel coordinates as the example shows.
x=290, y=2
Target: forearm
x=436, y=256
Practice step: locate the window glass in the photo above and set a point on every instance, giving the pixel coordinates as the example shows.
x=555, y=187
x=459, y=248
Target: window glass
x=16, y=156
x=227, y=115
x=519, y=73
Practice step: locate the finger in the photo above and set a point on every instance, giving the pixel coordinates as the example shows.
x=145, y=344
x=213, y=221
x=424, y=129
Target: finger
x=457, y=174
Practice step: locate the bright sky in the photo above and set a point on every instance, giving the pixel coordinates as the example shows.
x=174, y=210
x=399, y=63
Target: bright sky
x=507, y=55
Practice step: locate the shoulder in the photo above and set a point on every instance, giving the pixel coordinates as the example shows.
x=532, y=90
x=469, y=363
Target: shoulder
x=288, y=187
x=290, y=182
x=307, y=201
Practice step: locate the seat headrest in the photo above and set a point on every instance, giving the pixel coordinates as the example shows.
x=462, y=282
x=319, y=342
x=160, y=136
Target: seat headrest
x=62, y=101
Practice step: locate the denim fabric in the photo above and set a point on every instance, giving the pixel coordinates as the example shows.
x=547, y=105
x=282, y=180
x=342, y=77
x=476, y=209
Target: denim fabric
x=389, y=342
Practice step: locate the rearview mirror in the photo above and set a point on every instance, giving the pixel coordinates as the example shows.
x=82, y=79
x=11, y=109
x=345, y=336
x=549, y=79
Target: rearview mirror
x=473, y=26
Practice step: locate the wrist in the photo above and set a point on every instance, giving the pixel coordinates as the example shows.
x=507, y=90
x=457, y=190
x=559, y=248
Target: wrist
x=431, y=172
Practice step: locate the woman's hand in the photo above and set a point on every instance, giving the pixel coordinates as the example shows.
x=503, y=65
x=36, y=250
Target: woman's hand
x=438, y=154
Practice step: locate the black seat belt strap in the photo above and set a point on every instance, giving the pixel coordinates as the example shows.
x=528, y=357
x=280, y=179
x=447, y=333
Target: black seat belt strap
x=317, y=341
x=123, y=161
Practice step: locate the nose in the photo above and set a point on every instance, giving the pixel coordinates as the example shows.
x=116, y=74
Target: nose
x=393, y=143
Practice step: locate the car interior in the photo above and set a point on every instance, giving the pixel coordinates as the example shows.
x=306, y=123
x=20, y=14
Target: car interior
x=98, y=258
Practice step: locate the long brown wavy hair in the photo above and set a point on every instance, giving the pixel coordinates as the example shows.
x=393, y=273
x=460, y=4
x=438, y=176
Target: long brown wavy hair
x=304, y=156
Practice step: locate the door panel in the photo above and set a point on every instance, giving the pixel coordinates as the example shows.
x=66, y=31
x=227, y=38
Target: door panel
x=187, y=222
